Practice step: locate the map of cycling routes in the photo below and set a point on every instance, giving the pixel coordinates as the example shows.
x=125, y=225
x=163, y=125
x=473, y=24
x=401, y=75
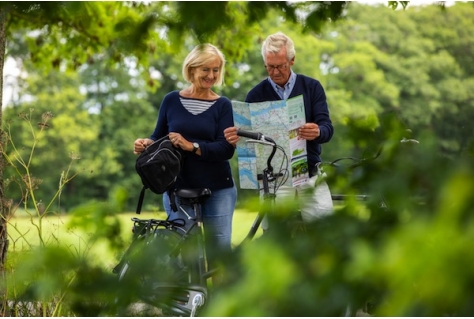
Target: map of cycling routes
x=278, y=120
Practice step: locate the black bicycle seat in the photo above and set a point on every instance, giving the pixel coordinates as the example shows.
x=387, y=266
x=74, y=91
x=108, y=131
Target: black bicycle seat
x=193, y=192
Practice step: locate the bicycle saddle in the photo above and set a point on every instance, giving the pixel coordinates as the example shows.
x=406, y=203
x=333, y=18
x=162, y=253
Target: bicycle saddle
x=193, y=192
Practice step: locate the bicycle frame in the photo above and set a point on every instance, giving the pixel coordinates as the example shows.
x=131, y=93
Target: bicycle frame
x=176, y=298
x=266, y=177
x=193, y=295
x=195, y=197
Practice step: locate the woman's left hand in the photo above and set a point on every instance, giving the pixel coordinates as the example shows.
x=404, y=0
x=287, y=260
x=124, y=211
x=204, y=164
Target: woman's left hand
x=179, y=141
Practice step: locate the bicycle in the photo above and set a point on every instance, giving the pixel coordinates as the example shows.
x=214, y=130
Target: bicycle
x=180, y=287
x=185, y=290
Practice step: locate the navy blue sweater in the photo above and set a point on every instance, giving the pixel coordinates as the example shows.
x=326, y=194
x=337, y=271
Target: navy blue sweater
x=212, y=168
x=315, y=105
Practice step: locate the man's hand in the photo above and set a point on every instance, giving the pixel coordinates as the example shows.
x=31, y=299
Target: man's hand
x=309, y=131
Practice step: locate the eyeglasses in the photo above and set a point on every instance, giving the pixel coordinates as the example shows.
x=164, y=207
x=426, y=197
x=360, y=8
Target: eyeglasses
x=281, y=67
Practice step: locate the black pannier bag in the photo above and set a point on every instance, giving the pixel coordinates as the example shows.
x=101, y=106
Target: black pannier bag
x=158, y=166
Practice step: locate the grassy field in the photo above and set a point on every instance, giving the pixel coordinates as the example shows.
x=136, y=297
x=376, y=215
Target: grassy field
x=23, y=234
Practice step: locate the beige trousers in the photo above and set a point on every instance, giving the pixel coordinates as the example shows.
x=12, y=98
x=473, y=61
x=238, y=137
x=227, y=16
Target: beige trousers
x=313, y=199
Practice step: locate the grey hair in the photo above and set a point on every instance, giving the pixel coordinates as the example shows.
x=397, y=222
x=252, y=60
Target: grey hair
x=275, y=42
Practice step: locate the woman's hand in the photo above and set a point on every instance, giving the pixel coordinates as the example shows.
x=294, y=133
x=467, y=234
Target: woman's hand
x=231, y=136
x=140, y=144
x=179, y=141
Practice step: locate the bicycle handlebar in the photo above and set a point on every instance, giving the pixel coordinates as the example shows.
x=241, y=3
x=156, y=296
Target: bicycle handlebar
x=254, y=135
x=267, y=175
x=257, y=136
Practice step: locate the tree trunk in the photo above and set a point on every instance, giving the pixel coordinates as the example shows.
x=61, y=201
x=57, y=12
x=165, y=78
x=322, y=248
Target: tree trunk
x=3, y=223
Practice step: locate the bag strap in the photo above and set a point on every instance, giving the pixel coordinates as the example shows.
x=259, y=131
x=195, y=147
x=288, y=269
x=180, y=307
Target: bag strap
x=140, y=200
x=172, y=197
x=170, y=194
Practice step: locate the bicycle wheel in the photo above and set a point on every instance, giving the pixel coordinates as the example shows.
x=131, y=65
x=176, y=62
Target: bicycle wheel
x=155, y=272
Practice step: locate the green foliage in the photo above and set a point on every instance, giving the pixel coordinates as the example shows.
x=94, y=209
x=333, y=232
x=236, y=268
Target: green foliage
x=20, y=160
x=100, y=220
x=404, y=64
x=69, y=287
x=67, y=143
x=394, y=4
x=364, y=67
x=129, y=29
x=86, y=286
x=71, y=279
x=33, y=284
x=420, y=263
x=407, y=258
x=91, y=27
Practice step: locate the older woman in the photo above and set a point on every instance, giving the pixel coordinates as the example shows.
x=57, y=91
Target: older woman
x=195, y=118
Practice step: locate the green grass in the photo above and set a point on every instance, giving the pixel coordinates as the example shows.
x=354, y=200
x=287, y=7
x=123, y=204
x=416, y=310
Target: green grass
x=242, y=222
x=23, y=235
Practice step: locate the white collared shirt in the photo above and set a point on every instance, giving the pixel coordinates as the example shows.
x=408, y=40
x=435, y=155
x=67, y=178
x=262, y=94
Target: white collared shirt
x=284, y=93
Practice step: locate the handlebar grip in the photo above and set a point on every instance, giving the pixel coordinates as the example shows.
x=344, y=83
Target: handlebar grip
x=249, y=134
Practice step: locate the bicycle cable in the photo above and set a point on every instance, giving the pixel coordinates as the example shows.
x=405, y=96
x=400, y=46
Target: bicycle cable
x=283, y=172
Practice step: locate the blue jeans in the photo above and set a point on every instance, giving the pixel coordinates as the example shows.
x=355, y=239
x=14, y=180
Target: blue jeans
x=217, y=213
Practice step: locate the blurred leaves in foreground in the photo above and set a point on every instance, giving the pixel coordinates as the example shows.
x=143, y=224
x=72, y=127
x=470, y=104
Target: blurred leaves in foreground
x=404, y=251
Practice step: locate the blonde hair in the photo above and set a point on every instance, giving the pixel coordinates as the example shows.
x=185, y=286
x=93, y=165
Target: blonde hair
x=275, y=42
x=199, y=56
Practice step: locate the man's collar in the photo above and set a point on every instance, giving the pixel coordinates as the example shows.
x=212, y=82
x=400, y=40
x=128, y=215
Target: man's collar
x=292, y=79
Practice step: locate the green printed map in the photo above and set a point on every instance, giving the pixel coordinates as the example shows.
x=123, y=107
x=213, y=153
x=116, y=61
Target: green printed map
x=278, y=120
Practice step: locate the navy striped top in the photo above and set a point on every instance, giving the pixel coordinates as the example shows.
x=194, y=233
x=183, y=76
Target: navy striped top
x=200, y=121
